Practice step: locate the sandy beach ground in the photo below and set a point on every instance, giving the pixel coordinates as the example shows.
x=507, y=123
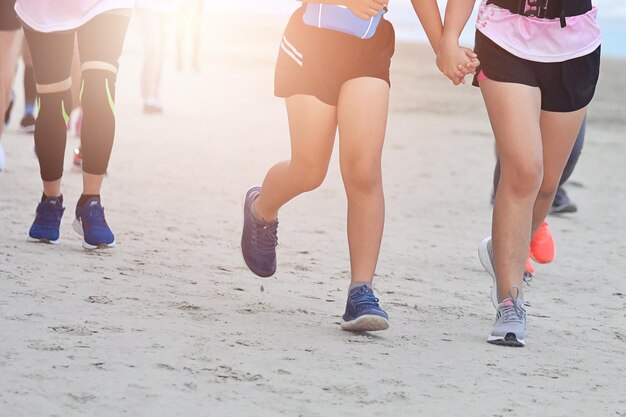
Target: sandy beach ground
x=171, y=323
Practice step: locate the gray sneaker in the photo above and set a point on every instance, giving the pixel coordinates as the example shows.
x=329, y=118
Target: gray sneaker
x=485, y=254
x=510, y=327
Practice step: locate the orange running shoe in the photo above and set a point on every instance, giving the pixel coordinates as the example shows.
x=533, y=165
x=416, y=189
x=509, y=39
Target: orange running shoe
x=542, y=245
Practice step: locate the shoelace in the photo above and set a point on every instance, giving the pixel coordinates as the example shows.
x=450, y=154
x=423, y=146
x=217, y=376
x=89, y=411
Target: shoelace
x=266, y=236
x=94, y=216
x=515, y=311
x=364, y=297
x=48, y=214
x=528, y=277
x=512, y=313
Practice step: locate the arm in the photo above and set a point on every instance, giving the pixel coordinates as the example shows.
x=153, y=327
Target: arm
x=427, y=12
x=451, y=58
x=362, y=8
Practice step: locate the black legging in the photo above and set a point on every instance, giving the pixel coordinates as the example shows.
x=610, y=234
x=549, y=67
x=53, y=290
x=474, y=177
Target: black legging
x=100, y=44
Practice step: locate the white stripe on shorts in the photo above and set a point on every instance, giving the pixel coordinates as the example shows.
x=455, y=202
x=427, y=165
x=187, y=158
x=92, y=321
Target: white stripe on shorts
x=293, y=48
x=288, y=51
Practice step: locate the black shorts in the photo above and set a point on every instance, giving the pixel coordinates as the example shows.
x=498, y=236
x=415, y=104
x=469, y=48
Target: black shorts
x=565, y=86
x=8, y=18
x=317, y=62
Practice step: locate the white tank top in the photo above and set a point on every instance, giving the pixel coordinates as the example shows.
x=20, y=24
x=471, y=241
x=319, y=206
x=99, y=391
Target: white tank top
x=59, y=15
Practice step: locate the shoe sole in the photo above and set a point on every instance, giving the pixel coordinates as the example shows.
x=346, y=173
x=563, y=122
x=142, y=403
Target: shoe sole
x=27, y=130
x=485, y=260
x=78, y=228
x=509, y=340
x=243, y=218
x=44, y=240
x=541, y=261
x=367, y=323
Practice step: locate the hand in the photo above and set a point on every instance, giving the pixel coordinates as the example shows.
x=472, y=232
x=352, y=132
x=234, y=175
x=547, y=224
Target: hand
x=366, y=9
x=469, y=67
x=456, y=62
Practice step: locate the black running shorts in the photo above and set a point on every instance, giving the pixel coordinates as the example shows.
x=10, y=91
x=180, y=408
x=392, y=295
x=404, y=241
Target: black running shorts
x=317, y=62
x=8, y=18
x=565, y=86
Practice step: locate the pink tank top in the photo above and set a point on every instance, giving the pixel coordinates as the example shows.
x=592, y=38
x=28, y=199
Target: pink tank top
x=540, y=40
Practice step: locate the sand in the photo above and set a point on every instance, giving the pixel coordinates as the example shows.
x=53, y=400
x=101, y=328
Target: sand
x=171, y=323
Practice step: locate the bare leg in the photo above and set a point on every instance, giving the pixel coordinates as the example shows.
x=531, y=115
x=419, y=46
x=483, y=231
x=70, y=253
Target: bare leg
x=10, y=47
x=514, y=113
x=92, y=183
x=196, y=33
x=558, y=132
x=312, y=126
x=362, y=116
x=153, y=44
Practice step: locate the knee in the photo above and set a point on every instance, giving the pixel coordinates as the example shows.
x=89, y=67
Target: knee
x=522, y=179
x=310, y=173
x=548, y=189
x=98, y=88
x=54, y=106
x=362, y=176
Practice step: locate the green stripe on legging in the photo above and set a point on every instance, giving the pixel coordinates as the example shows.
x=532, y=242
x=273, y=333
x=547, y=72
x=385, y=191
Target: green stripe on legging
x=66, y=117
x=110, y=97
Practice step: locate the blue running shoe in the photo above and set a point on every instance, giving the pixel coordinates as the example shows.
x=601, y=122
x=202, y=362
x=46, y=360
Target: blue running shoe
x=92, y=226
x=259, y=239
x=363, y=314
x=47, y=222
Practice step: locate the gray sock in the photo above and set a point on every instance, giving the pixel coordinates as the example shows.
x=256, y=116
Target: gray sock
x=358, y=284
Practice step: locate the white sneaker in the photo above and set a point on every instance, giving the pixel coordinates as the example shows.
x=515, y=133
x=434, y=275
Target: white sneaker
x=485, y=254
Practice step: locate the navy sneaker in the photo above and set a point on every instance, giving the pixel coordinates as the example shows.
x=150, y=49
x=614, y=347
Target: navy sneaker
x=259, y=239
x=47, y=222
x=363, y=314
x=92, y=226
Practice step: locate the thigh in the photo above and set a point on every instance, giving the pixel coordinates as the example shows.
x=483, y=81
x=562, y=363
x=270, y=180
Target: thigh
x=514, y=113
x=312, y=128
x=102, y=38
x=9, y=51
x=51, y=54
x=362, y=117
x=558, y=131
x=8, y=18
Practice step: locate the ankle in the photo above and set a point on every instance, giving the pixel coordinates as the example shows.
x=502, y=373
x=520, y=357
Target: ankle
x=45, y=196
x=355, y=284
x=86, y=197
x=259, y=216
